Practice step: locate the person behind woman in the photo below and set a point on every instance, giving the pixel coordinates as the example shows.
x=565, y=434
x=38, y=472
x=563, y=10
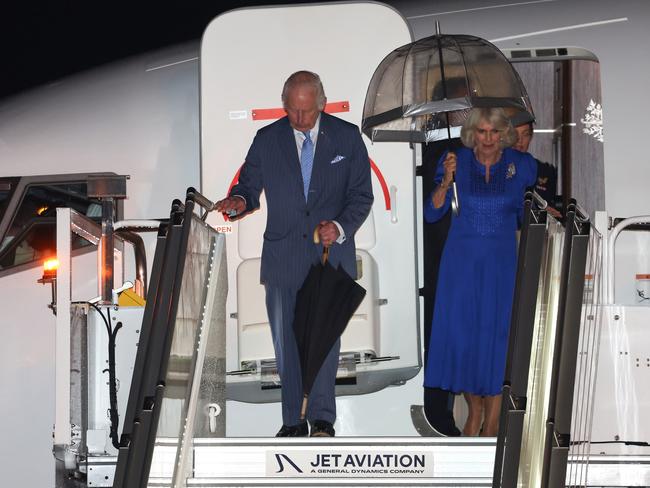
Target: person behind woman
x=469, y=334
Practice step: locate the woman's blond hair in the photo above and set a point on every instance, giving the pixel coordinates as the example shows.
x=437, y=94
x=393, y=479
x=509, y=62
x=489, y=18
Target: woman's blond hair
x=494, y=116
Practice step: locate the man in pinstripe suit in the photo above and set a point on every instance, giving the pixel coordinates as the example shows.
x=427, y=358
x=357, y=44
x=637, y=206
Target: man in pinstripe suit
x=315, y=173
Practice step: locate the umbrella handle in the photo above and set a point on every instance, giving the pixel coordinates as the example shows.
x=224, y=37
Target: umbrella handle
x=303, y=409
x=326, y=250
x=455, y=204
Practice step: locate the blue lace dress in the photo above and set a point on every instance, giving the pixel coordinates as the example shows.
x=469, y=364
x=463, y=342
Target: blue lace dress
x=469, y=334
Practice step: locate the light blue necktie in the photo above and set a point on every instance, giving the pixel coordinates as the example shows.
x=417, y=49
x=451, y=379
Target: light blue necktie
x=306, y=161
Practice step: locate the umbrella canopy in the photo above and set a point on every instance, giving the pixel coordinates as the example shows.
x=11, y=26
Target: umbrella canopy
x=325, y=303
x=441, y=74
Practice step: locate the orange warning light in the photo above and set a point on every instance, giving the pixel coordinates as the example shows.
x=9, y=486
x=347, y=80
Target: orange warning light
x=50, y=266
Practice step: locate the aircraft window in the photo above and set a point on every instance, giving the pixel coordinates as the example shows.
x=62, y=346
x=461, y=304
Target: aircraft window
x=38, y=241
x=32, y=235
x=6, y=187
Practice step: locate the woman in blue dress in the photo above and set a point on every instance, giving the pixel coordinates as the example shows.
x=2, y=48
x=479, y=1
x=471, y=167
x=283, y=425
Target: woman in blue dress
x=469, y=335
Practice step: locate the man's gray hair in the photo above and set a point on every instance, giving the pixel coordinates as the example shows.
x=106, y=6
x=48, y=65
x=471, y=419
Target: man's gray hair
x=497, y=118
x=305, y=78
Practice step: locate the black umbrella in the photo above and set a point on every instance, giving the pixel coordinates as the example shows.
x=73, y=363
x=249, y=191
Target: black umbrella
x=422, y=91
x=325, y=303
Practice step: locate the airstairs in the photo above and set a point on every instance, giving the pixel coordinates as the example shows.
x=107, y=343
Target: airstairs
x=173, y=431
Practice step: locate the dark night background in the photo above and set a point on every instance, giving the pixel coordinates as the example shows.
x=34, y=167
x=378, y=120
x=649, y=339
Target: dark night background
x=42, y=42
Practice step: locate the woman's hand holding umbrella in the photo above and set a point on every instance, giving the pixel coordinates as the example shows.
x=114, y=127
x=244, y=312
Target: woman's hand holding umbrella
x=450, y=168
x=447, y=180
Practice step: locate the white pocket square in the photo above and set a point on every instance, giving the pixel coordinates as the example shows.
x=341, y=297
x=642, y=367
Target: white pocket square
x=337, y=159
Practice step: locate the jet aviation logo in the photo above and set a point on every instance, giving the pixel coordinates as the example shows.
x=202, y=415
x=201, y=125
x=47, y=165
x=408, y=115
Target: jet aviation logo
x=279, y=457
x=298, y=463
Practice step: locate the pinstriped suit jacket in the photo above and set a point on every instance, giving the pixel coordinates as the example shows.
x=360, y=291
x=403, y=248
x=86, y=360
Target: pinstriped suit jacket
x=340, y=189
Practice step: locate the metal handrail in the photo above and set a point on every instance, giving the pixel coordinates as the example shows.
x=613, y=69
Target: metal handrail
x=140, y=255
x=137, y=225
x=611, y=243
x=200, y=200
x=541, y=203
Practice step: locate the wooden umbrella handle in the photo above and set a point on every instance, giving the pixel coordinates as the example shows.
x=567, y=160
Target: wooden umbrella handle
x=303, y=408
x=326, y=249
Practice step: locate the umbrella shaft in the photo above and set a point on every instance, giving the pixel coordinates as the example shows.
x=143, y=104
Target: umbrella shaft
x=303, y=409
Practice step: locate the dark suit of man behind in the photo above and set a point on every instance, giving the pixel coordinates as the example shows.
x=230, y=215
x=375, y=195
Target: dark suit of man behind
x=339, y=198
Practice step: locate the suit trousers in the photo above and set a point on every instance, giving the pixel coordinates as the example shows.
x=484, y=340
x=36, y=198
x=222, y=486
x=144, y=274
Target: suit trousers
x=280, y=306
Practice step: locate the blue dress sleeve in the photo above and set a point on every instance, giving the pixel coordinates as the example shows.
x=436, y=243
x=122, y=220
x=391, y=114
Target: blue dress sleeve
x=432, y=214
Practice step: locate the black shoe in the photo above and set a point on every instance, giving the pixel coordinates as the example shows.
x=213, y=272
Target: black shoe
x=299, y=430
x=438, y=411
x=447, y=429
x=322, y=428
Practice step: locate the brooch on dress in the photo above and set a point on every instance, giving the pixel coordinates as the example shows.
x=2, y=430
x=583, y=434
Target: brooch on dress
x=511, y=171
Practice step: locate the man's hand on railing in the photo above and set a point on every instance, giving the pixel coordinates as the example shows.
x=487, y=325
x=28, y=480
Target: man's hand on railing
x=231, y=206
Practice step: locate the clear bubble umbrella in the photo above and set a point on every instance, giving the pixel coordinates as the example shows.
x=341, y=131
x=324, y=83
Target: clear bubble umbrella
x=422, y=92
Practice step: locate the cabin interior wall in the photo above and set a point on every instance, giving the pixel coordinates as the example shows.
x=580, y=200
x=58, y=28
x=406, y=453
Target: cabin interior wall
x=587, y=154
x=540, y=82
x=576, y=83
